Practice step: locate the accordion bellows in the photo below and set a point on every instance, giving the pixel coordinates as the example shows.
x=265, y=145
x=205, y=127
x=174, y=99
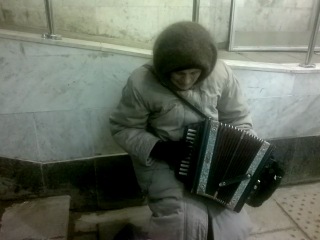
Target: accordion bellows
x=224, y=163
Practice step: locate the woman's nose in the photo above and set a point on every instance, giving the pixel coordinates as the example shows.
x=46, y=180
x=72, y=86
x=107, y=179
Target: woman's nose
x=188, y=78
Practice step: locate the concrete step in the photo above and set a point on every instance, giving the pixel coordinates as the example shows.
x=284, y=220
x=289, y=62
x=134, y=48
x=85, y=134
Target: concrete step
x=44, y=218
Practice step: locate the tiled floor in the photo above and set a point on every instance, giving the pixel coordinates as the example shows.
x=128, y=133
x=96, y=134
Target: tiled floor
x=292, y=213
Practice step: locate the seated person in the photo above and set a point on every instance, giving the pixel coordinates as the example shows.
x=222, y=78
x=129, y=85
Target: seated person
x=150, y=120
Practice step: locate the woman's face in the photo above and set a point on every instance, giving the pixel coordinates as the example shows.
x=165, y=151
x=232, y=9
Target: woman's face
x=185, y=79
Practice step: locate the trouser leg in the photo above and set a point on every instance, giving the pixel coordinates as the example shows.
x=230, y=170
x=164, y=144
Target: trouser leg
x=167, y=220
x=173, y=219
x=227, y=224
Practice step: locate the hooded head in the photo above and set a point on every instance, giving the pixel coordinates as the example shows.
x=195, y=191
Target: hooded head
x=181, y=46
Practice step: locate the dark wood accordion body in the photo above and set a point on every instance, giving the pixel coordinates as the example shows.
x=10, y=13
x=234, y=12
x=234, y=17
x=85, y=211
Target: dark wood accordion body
x=224, y=163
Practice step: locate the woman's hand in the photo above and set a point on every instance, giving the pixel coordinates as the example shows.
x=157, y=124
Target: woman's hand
x=171, y=151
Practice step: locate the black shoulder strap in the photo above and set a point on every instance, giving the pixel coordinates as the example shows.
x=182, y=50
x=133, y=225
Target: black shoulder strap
x=185, y=101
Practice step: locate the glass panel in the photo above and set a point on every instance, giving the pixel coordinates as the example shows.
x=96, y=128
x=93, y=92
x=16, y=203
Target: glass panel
x=215, y=16
x=26, y=15
x=272, y=24
x=126, y=22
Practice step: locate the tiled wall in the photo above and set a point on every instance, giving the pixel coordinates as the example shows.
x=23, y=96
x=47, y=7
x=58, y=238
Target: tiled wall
x=283, y=104
x=55, y=101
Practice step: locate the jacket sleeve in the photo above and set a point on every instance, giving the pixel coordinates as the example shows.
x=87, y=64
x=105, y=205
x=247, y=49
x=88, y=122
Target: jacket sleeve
x=232, y=106
x=128, y=125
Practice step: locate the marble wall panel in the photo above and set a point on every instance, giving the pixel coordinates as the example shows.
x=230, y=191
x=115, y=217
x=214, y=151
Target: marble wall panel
x=18, y=136
x=306, y=84
x=259, y=84
x=54, y=83
x=38, y=77
x=265, y=116
x=299, y=116
x=286, y=116
x=63, y=135
x=7, y=78
x=116, y=69
x=103, y=142
x=9, y=49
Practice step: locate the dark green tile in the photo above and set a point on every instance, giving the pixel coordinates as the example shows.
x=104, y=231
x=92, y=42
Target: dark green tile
x=117, y=185
x=20, y=179
x=73, y=178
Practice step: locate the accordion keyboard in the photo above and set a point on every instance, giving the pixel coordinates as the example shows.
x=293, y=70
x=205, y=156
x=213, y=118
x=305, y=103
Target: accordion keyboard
x=186, y=163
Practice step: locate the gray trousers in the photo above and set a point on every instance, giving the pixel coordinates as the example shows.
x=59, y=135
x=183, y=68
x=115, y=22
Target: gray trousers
x=178, y=215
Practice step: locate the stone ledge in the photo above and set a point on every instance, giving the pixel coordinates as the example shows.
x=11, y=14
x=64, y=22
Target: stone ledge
x=139, y=52
x=76, y=43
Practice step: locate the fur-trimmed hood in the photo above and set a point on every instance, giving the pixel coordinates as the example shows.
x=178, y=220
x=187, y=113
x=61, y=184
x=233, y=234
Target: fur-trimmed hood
x=181, y=46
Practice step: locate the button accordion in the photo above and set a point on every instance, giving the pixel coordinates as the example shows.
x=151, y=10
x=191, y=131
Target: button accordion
x=224, y=163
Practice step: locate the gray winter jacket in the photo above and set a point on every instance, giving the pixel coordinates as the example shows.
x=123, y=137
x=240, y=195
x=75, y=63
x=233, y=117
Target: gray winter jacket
x=149, y=112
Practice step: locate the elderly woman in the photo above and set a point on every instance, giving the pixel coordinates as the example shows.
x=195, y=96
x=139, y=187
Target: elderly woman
x=150, y=120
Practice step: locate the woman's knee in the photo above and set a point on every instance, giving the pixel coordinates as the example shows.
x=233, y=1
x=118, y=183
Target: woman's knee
x=165, y=206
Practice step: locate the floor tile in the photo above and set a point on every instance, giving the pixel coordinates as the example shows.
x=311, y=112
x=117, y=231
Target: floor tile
x=304, y=209
x=290, y=234
x=269, y=217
